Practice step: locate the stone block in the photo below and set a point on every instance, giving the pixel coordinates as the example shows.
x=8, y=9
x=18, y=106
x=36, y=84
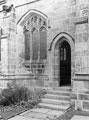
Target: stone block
x=40, y=83
x=56, y=78
x=56, y=73
x=84, y=70
x=86, y=105
x=56, y=53
x=78, y=105
x=77, y=54
x=57, y=61
x=81, y=28
x=84, y=37
x=73, y=96
x=72, y=103
x=78, y=85
x=77, y=70
x=84, y=6
x=73, y=2
x=80, y=21
x=85, y=12
x=72, y=15
x=83, y=96
x=53, y=84
x=56, y=67
x=85, y=53
x=72, y=28
x=86, y=86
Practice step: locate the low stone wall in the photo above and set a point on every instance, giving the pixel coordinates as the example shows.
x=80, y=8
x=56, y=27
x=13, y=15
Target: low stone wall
x=80, y=92
x=80, y=100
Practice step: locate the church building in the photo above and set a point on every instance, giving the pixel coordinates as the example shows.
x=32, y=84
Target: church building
x=45, y=43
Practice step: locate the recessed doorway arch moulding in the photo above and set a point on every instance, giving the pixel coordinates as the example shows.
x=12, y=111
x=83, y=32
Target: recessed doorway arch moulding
x=58, y=37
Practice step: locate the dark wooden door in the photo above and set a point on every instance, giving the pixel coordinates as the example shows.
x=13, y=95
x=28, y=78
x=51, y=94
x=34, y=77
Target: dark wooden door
x=65, y=64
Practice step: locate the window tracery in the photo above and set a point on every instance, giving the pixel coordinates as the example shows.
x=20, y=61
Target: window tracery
x=36, y=42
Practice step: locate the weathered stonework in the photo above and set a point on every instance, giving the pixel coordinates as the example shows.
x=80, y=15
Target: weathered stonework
x=67, y=20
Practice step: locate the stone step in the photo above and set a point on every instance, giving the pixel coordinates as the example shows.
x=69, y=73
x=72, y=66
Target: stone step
x=66, y=88
x=19, y=117
x=57, y=92
x=55, y=102
x=53, y=107
x=57, y=97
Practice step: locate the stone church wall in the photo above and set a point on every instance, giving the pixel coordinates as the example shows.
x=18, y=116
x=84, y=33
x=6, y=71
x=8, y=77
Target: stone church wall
x=64, y=17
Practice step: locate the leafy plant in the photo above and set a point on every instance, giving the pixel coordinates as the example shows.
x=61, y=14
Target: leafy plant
x=21, y=95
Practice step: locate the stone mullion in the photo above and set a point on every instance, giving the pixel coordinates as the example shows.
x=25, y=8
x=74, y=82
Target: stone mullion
x=31, y=48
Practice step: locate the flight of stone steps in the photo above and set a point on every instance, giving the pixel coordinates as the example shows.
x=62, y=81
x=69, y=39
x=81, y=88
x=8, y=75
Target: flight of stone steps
x=57, y=99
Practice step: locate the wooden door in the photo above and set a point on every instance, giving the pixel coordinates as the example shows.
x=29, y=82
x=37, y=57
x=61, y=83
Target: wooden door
x=65, y=64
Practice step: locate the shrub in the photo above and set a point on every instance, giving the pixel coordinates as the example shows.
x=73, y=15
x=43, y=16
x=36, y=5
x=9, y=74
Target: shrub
x=13, y=95
x=22, y=92
x=35, y=94
x=21, y=95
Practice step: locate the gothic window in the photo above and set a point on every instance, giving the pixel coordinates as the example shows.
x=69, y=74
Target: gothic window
x=35, y=32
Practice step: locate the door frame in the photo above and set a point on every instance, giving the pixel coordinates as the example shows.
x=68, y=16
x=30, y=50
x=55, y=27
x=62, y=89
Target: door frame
x=55, y=59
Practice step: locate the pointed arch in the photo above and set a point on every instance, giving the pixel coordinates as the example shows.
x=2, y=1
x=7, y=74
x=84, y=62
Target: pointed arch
x=59, y=36
x=55, y=48
x=36, y=23
x=26, y=16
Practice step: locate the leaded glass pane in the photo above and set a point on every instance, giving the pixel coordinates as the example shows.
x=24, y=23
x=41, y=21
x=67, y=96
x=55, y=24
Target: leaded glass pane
x=35, y=44
x=43, y=43
x=27, y=44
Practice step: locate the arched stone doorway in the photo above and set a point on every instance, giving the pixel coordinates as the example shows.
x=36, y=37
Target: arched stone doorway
x=65, y=63
x=63, y=59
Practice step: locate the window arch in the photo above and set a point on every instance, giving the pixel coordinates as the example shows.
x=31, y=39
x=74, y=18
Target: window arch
x=35, y=31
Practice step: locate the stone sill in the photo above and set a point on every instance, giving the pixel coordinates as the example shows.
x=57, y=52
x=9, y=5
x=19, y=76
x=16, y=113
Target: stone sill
x=4, y=36
x=29, y=62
